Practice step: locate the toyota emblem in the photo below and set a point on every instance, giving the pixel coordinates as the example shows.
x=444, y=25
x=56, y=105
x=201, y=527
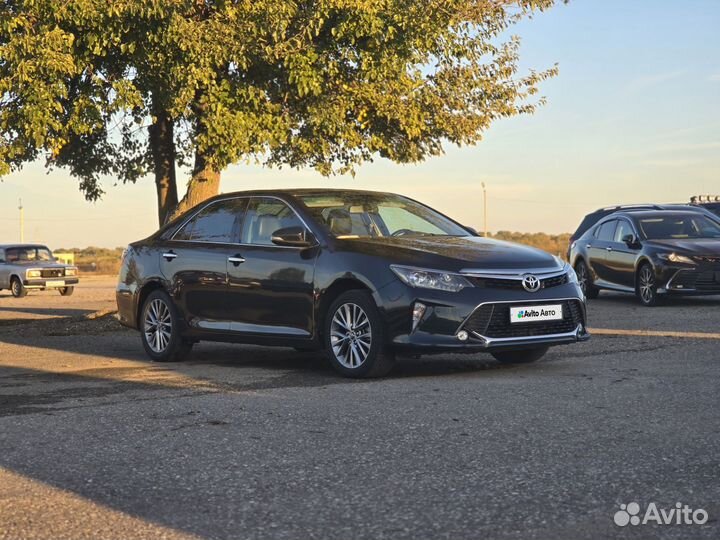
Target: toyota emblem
x=531, y=283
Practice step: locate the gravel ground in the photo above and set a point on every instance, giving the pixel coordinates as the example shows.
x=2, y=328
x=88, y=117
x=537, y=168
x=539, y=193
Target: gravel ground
x=246, y=442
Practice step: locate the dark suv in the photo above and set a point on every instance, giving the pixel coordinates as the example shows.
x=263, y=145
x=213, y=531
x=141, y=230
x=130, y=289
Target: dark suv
x=362, y=275
x=707, y=202
x=650, y=253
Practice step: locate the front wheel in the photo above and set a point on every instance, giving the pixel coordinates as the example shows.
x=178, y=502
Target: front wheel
x=160, y=329
x=17, y=289
x=66, y=291
x=354, y=337
x=520, y=356
x=647, y=286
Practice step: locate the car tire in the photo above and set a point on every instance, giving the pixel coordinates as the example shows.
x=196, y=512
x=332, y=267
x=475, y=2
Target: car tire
x=66, y=291
x=646, y=286
x=160, y=329
x=585, y=280
x=354, y=337
x=17, y=289
x=520, y=356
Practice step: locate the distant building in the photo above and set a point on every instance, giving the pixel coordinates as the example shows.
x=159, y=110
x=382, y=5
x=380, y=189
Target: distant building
x=65, y=257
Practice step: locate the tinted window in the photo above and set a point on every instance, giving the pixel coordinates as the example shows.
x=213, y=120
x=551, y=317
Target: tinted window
x=623, y=229
x=220, y=222
x=2, y=256
x=28, y=253
x=266, y=215
x=606, y=231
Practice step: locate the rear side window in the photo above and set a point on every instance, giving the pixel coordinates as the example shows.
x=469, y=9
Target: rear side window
x=606, y=232
x=589, y=221
x=218, y=223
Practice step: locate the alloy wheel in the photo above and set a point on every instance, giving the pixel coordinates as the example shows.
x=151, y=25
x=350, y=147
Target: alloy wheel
x=350, y=335
x=647, y=285
x=157, y=325
x=582, y=278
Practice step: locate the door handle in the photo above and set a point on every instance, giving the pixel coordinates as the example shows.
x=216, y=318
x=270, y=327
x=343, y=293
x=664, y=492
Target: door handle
x=236, y=260
x=608, y=248
x=169, y=256
x=588, y=246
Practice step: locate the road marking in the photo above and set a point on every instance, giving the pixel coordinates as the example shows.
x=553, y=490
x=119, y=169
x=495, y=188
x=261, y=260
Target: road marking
x=653, y=333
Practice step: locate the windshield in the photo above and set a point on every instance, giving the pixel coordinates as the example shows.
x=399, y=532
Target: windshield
x=679, y=227
x=377, y=214
x=28, y=254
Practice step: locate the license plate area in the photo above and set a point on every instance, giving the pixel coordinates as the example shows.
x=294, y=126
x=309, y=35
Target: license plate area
x=530, y=314
x=57, y=283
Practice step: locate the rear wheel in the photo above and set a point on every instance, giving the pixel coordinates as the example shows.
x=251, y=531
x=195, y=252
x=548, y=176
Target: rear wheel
x=160, y=329
x=67, y=291
x=354, y=337
x=520, y=356
x=647, y=286
x=585, y=280
x=17, y=289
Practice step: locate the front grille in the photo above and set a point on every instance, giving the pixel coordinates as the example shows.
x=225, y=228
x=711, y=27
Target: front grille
x=709, y=260
x=52, y=272
x=493, y=320
x=492, y=283
x=704, y=280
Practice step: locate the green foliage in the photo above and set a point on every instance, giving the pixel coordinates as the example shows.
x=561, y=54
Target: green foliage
x=321, y=83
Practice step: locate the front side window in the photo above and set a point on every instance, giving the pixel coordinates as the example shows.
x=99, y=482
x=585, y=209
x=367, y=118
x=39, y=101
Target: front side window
x=679, y=226
x=265, y=215
x=218, y=223
x=378, y=214
x=28, y=254
x=623, y=229
x=606, y=232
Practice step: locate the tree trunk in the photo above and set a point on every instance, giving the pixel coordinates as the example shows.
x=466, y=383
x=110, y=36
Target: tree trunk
x=205, y=183
x=162, y=147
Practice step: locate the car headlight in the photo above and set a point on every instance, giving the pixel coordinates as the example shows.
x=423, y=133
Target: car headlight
x=571, y=275
x=71, y=271
x=430, y=279
x=34, y=273
x=676, y=258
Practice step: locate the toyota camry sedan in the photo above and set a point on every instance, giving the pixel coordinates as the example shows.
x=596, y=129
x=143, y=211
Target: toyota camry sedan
x=363, y=276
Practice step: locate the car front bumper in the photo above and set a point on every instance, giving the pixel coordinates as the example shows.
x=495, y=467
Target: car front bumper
x=484, y=316
x=687, y=280
x=50, y=283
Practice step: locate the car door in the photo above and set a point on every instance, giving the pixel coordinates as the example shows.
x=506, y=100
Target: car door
x=271, y=288
x=598, y=247
x=621, y=257
x=4, y=271
x=195, y=261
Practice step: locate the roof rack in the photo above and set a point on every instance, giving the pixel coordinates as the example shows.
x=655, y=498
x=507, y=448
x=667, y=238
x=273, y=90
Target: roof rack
x=630, y=207
x=700, y=199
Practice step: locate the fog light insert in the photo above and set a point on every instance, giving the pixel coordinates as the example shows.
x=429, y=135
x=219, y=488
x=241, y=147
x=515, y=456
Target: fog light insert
x=418, y=312
x=462, y=335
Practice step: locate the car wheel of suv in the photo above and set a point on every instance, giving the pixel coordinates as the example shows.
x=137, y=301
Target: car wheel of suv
x=66, y=291
x=647, y=286
x=17, y=289
x=354, y=337
x=585, y=280
x=520, y=356
x=160, y=329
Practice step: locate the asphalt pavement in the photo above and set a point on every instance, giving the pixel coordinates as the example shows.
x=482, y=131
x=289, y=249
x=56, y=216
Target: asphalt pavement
x=249, y=442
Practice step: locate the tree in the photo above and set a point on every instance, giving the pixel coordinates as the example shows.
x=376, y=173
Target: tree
x=137, y=86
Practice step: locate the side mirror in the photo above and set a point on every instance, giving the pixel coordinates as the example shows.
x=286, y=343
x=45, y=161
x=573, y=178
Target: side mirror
x=630, y=240
x=293, y=237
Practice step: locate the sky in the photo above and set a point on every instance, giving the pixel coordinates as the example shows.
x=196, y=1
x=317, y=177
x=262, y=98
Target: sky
x=633, y=116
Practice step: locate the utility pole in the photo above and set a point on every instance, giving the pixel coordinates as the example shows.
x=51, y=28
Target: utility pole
x=22, y=221
x=485, y=233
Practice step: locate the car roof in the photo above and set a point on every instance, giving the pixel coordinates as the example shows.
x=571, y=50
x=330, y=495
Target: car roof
x=658, y=213
x=22, y=244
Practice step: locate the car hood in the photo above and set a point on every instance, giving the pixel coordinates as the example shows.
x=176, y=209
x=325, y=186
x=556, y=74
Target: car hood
x=453, y=253
x=691, y=246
